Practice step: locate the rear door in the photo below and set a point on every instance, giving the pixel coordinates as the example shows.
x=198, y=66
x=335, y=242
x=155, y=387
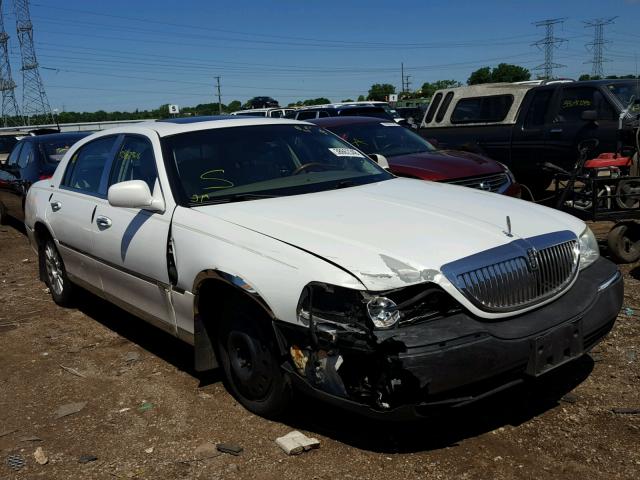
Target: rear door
x=72, y=208
x=131, y=244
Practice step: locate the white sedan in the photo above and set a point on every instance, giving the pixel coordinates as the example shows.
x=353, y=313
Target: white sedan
x=289, y=258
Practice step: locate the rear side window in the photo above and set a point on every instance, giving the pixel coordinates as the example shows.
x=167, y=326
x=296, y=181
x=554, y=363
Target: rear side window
x=135, y=161
x=493, y=108
x=443, y=108
x=85, y=168
x=306, y=115
x=538, y=109
x=433, y=107
x=26, y=155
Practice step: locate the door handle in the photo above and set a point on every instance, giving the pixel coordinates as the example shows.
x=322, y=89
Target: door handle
x=55, y=206
x=103, y=222
x=555, y=130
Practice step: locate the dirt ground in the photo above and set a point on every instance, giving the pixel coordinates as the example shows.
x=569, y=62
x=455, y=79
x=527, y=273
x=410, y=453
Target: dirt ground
x=143, y=410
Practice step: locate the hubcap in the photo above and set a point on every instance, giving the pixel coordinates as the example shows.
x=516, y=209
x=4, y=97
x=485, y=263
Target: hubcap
x=53, y=265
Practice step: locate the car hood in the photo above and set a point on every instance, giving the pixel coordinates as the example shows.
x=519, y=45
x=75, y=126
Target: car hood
x=397, y=232
x=445, y=164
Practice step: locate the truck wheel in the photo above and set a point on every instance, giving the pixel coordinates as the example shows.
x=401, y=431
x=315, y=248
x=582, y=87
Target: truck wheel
x=624, y=242
x=55, y=276
x=3, y=215
x=247, y=352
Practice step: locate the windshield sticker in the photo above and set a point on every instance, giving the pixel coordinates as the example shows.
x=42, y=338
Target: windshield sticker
x=389, y=124
x=346, y=152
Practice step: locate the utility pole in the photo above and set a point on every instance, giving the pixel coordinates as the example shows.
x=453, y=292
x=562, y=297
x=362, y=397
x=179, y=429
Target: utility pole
x=407, y=82
x=402, y=77
x=597, y=46
x=219, y=97
x=34, y=98
x=10, y=111
x=548, y=44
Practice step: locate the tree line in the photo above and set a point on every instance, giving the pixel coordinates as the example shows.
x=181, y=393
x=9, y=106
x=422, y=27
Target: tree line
x=503, y=72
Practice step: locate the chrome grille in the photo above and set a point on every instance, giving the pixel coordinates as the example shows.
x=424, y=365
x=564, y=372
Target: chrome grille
x=489, y=183
x=522, y=273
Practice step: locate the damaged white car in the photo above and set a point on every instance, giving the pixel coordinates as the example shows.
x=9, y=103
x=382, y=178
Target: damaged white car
x=290, y=259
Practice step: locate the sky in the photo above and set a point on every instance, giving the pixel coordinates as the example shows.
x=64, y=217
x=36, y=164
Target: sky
x=139, y=54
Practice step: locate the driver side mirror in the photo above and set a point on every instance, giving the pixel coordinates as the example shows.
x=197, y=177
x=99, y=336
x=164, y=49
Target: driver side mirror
x=381, y=160
x=589, y=116
x=134, y=194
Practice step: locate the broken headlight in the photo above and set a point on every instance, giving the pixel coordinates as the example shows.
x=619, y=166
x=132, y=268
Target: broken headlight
x=382, y=310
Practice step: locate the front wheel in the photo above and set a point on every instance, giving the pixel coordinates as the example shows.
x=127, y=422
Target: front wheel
x=247, y=352
x=60, y=286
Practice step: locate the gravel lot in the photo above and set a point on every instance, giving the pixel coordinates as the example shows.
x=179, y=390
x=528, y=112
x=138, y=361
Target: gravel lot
x=143, y=410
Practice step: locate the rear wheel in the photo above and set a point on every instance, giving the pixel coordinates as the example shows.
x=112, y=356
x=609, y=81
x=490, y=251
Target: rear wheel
x=60, y=286
x=3, y=215
x=248, y=354
x=624, y=242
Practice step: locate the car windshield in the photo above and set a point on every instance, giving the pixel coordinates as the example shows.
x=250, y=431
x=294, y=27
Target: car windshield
x=55, y=150
x=250, y=162
x=625, y=91
x=386, y=138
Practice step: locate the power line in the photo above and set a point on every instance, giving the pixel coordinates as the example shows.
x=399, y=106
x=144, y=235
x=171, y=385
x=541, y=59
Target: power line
x=597, y=45
x=549, y=44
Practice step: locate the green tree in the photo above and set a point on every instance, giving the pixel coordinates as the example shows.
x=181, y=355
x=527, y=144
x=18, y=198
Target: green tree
x=379, y=91
x=234, y=106
x=361, y=98
x=347, y=100
x=584, y=76
x=504, y=72
x=428, y=89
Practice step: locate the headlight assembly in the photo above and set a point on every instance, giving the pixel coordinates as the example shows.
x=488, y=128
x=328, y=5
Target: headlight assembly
x=357, y=310
x=589, y=250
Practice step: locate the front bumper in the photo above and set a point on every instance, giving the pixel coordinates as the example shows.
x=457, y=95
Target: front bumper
x=452, y=361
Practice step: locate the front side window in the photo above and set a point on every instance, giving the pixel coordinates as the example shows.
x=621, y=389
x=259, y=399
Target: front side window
x=227, y=164
x=493, y=108
x=84, y=170
x=386, y=138
x=307, y=115
x=575, y=101
x=627, y=91
x=134, y=161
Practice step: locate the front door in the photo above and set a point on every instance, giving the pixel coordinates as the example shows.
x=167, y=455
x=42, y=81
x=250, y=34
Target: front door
x=131, y=244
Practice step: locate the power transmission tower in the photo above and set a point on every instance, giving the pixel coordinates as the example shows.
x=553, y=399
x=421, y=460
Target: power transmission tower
x=219, y=97
x=10, y=110
x=34, y=98
x=597, y=46
x=549, y=44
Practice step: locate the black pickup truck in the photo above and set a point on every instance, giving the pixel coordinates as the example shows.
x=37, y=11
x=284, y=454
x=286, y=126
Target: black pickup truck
x=524, y=125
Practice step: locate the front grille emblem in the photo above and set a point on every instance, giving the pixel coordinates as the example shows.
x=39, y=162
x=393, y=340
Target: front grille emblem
x=532, y=257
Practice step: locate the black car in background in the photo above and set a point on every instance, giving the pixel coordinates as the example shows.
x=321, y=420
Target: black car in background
x=32, y=159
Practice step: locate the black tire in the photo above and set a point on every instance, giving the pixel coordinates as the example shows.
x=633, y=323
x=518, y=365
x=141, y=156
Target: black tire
x=3, y=215
x=624, y=242
x=55, y=274
x=248, y=355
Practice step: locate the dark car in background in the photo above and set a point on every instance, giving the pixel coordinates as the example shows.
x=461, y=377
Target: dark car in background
x=33, y=158
x=360, y=109
x=410, y=155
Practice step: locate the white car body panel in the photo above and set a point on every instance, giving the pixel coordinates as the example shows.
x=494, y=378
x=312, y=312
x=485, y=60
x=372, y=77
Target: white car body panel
x=375, y=237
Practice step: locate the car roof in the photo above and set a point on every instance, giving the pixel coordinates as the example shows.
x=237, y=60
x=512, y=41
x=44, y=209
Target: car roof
x=174, y=126
x=348, y=120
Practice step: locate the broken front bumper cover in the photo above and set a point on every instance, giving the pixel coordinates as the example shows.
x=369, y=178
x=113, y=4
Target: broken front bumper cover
x=452, y=361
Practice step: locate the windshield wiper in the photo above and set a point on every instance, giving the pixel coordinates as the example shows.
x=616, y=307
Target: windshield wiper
x=344, y=184
x=237, y=197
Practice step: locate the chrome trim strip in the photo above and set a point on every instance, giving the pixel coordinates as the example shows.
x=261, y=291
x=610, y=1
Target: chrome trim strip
x=610, y=282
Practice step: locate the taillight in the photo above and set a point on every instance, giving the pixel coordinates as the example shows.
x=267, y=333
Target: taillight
x=44, y=176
